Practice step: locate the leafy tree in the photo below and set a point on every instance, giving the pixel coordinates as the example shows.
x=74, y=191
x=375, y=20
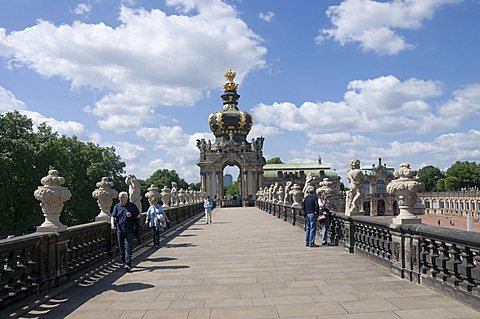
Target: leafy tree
x=275, y=160
x=26, y=156
x=429, y=175
x=195, y=186
x=233, y=189
x=440, y=185
x=162, y=177
x=467, y=174
x=451, y=183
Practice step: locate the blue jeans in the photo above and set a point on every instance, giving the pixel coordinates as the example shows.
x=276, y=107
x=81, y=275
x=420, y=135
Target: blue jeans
x=125, y=244
x=311, y=228
x=325, y=226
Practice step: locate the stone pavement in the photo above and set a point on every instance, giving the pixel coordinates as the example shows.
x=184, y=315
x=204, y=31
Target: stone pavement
x=248, y=265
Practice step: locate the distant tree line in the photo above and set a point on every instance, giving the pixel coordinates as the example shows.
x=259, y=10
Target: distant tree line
x=459, y=176
x=26, y=155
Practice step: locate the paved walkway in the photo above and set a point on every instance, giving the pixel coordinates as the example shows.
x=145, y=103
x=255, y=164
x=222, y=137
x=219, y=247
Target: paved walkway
x=248, y=265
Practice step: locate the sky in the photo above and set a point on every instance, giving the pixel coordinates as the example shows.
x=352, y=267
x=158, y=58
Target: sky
x=339, y=79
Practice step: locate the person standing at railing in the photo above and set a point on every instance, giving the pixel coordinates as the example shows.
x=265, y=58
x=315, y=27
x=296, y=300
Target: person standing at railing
x=123, y=220
x=311, y=209
x=156, y=220
x=207, y=204
x=325, y=215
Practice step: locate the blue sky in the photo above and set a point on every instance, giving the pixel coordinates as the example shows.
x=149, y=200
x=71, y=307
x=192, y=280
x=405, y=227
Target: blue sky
x=337, y=79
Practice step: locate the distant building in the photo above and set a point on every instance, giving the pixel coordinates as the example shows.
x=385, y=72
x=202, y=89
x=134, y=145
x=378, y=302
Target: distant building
x=227, y=180
x=376, y=200
x=455, y=204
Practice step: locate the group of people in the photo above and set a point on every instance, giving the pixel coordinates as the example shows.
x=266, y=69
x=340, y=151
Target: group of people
x=316, y=210
x=125, y=221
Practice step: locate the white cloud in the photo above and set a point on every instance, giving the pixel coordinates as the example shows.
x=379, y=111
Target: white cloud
x=8, y=101
x=68, y=128
x=150, y=59
x=82, y=9
x=262, y=130
x=375, y=24
x=266, y=16
x=127, y=150
x=381, y=105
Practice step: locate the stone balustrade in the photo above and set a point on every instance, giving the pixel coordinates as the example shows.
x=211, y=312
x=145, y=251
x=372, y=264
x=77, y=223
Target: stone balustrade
x=34, y=264
x=446, y=260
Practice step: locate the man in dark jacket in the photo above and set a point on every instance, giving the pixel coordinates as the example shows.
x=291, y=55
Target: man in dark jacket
x=124, y=217
x=311, y=209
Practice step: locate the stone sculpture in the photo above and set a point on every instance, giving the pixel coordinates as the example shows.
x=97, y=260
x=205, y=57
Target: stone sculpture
x=134, y=191
x=105, y=195
x=354, y=194
x=405, y=187
x=309, y=181
x=166, y=196
x=287, y=199
x=297, y=196
x=174, y=195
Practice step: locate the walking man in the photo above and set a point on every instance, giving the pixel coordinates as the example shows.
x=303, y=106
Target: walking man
x=311, y=209
x=207, y=204
x=123, y=220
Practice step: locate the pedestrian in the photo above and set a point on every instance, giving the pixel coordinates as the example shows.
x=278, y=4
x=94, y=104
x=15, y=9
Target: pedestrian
x=156, y=220
x=123, y=220
x=207, y=204
x=311, y=209
x=325, y=215
x=438, y=222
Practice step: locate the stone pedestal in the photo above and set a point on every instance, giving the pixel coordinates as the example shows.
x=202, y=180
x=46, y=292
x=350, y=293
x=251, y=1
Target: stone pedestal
x=52, y=195
x=104, y=195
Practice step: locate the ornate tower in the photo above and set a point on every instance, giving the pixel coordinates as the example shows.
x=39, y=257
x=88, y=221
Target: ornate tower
x=231, y=127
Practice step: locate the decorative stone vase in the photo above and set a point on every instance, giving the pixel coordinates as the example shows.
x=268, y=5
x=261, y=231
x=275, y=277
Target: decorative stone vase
x=297, y=196
x=166, y=194
x=52, y=196
x=153, y=192
x=405, y=188
x=105, y=195
x=280, y=194
x=181, y=197
x=325, y=186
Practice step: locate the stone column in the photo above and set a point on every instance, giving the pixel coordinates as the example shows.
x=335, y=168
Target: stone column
x=52, y=196
x=405, y=188
x=104, y=195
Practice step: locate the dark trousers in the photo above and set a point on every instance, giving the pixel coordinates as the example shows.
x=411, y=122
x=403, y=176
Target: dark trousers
x=125, y=244
x=156, y=235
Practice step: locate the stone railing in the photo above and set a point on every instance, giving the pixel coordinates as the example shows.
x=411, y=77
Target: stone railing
x=36, y=263
x=443, y=259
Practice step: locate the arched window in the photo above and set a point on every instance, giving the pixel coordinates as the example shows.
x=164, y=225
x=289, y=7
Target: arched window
x=366, y=187
x=381, y=187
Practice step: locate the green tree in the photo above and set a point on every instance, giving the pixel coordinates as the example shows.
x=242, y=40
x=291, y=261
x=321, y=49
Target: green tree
x=233, y=189
x=275, y=160
x=440, y=185
x=26, y=156
x=451, y=183
x=467, y=174
x=429, y=175
x=165, y=177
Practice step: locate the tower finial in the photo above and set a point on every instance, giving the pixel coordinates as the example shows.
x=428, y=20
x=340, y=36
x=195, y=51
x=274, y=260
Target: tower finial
x=230, y=85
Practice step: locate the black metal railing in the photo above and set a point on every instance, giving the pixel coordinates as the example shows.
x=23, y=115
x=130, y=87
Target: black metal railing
x=443, y=259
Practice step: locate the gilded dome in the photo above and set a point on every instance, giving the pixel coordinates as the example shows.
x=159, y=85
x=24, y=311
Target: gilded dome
x=230, y=122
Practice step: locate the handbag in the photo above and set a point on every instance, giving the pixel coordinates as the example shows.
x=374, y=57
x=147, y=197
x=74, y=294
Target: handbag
x=321, y=218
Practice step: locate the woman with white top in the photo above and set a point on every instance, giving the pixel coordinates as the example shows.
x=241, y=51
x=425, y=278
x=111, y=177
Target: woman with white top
x=156, y=220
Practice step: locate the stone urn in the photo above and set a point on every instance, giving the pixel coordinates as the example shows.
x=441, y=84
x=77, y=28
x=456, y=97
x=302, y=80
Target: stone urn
x=297, y=196
x=325, y=186
x=166, y=194
x=405, y=188
x=52, y=196
x=152, y=191
x=181, y=197
x=105, y=195
x=280, y=194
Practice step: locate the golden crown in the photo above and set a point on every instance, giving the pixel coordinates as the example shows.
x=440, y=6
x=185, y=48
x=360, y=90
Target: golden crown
x=230, y=85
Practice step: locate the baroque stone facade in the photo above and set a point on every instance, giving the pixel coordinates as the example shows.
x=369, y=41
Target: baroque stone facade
x=376, y=200
x=231, y=127
x=457, y=204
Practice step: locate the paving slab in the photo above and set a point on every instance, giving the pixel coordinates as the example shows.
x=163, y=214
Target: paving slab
x=248, y=265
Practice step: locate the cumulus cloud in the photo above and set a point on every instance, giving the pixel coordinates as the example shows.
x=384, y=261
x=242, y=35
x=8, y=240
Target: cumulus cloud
x=376, y=24
x=8, y=101
x=266, y=16
x=127, y=150
x=381, y=105
x=149, y=59
x=82, y=9
x=68, y=128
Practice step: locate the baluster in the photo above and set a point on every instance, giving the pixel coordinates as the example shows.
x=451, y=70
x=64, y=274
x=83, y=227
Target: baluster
x=444, y=262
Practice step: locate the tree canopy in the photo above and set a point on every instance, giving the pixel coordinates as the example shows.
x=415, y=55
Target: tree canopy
x=27, y=155
x=275, y=160
x=165, y=177
x=430, y=175
x=466, y=173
